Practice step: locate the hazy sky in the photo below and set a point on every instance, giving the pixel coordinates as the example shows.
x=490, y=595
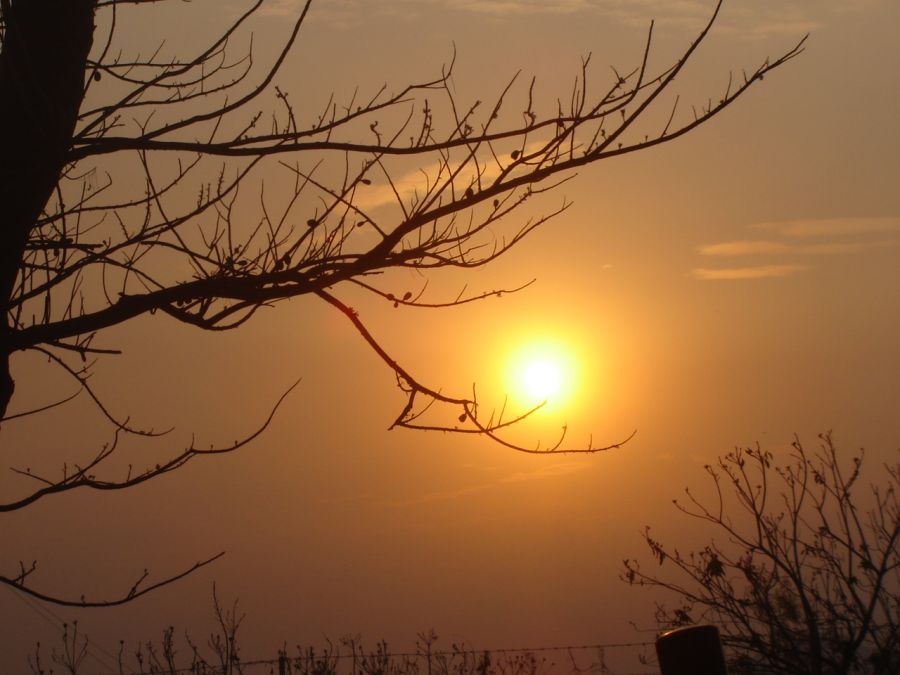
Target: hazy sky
x=738, y=285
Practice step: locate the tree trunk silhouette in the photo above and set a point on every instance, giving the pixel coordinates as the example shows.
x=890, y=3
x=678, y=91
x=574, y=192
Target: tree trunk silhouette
x=42, y=67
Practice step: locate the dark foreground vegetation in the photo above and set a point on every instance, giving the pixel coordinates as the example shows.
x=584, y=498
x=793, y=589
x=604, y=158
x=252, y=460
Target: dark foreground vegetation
x=802, y=571
x=220, y=654
x=801, y=576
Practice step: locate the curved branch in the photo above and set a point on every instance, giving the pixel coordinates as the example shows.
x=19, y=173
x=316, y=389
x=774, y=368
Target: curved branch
x=133, y=593
x=469, y=407
x=81, y=479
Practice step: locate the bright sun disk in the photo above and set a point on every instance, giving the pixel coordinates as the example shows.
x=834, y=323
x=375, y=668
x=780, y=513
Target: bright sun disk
x=542, y=371
x=542, y=379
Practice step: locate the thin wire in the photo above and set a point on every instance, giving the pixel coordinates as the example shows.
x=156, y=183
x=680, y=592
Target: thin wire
x=112, y=665
x=58, y=621
x=421, y=655
x=451, y=652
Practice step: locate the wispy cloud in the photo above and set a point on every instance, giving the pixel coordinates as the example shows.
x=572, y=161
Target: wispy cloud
x=747, y=20
x=549, y=471
x=793, y=28
x=281, y=8
x=508, y=7
x=790, y=17
x=734, y=248
x=632, y=12
x=443, y=495
x=739, y=273
x=845, y=248
x=415, y=184
x=409, y=186
x=543, y=473
x=808, y=238
x=832, y=227
x=341, y=14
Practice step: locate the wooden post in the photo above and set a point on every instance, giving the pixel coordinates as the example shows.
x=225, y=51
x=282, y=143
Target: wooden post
x=695, y=650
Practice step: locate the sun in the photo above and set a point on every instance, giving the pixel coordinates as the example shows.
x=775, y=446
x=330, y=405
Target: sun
x=542, y=379
x=542, y=372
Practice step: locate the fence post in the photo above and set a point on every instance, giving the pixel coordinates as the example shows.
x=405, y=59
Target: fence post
x=695, y=650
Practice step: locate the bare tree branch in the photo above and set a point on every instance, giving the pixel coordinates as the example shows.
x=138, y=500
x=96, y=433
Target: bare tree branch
x=133, y=593
x=87, y=245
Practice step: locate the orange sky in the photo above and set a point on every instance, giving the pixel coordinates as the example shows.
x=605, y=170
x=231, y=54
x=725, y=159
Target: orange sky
x=738, y=285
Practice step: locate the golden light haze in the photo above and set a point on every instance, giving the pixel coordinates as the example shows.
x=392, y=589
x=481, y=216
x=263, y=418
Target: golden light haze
x=738, y=285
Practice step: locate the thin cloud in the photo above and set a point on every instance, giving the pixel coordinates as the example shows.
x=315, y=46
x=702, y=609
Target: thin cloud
x=751, y=21
x=819, y=237
x=340, y=14
x=508, y=7
x=735, y=248
x=796, y=27
x=843, y=248
x=417, y=181
x=408, y=185
x=281, y=8
x=542, y=473
x=550, y=471
x=743, y=273
x=444, y=495
x=641, y=11
x=833, y=227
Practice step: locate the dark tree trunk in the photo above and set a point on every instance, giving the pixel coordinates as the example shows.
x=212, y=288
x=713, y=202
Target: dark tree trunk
x=42, y=69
